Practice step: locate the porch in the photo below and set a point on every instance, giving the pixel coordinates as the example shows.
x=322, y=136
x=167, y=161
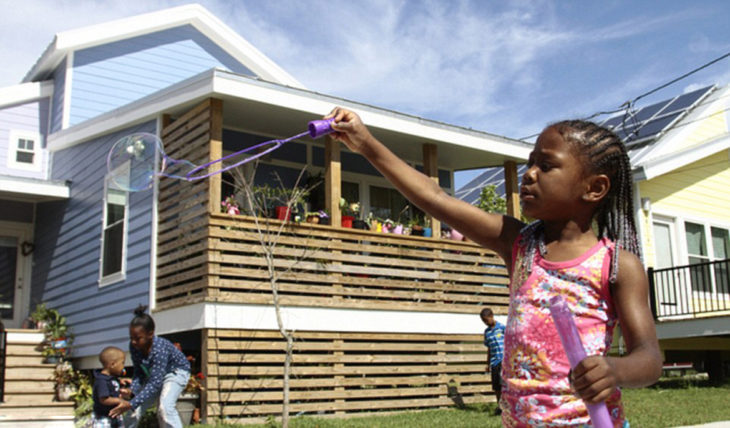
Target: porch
x=697, y=290
x=205, y=257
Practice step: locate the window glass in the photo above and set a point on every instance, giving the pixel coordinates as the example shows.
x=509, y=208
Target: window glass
x=113, y=236
x=720, y=243
x=24, y=154
x=696, y=246
x=388, y=203
x=697, y=253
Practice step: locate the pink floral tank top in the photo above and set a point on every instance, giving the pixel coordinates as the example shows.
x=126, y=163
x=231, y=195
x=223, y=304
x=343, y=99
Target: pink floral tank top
x=535, y=386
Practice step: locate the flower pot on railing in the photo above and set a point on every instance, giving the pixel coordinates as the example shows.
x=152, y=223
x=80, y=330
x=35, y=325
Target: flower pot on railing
x=282, y=213
x=347, y=220
x=398, y=229
x=456, y=235
x=427, y=232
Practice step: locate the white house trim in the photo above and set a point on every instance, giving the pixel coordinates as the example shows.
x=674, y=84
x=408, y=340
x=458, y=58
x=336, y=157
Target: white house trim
x=26, y=187
x=260, y=317
x=68, y=81
x=194, y=14
x=25, y=92
x=223, y=84
x=673, y=161
x=700, y=327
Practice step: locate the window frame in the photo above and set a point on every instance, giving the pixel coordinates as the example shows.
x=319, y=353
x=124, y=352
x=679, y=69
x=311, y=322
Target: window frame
x=14, y=137
x=105, y=280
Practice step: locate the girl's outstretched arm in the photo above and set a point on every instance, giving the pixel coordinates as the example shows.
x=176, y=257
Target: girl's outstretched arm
x=494, y=231
x=596, y=377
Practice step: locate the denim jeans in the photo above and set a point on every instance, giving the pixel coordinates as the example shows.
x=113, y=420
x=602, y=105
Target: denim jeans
x=172, y=385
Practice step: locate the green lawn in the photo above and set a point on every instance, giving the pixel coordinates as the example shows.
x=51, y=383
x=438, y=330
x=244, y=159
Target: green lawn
x=673, y=402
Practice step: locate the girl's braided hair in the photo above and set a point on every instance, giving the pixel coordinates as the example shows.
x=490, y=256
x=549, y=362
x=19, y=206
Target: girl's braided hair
x=603, y=153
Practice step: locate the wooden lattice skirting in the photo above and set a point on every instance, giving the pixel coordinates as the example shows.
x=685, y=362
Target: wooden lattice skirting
x=342, y=374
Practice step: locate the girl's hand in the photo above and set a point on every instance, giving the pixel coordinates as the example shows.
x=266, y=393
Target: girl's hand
x=349, y=129
x=121, y=409
x=125, y=393
x=594, y=379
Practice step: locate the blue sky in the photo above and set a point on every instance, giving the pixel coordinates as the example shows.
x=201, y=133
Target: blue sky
x=505, y=67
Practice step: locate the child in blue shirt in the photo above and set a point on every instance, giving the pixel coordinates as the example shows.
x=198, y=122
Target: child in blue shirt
x=161, y=373
x=494, y=341
x=107, y=392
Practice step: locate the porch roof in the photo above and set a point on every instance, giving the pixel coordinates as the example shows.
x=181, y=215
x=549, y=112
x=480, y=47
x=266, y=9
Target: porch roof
x=32, y=190
x=277, y=110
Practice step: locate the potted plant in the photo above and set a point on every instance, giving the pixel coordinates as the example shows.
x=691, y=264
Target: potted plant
x=65, y=378
x=316, y=216
x=56, y=331
x=416, y=225
x=350, y=211
x=188, y=401
x=230, y=206
x=40, y=316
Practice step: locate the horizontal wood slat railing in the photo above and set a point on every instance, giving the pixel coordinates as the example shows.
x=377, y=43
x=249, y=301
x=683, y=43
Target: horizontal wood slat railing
x=342, y=374
x=223, y=260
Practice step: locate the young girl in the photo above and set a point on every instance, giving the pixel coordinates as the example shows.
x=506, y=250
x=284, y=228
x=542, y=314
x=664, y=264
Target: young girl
x=161, y=373
x=578, y=174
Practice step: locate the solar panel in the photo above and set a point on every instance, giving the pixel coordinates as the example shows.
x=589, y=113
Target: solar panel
x=648, y=122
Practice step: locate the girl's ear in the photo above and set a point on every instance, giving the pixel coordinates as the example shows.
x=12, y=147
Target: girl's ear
x=597, y=187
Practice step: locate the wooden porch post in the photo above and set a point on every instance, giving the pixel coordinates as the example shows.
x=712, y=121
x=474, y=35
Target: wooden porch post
x=511, y=187
x=430, y=168
x=216, y=152
x=332, y=180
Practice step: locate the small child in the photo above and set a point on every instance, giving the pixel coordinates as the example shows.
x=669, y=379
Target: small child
x=107, y=391
x=578, y=176
x=494, y=341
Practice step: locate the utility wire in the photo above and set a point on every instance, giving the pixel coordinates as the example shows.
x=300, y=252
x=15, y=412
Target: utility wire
x=628, y=106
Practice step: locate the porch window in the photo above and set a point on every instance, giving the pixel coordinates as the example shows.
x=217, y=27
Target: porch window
x=696, y=254
x=700, y=249
x=720, y=244
x=386, y=203
x=24, y=150
x=114, y=235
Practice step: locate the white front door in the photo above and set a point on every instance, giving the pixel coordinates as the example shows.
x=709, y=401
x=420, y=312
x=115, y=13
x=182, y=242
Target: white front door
x=15, y=253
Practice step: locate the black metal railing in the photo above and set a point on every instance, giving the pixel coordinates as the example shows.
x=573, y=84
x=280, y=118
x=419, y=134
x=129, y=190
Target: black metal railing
x=698, y=289
x=3, y=346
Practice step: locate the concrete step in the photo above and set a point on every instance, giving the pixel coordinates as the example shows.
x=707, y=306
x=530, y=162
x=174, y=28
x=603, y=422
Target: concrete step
x=23, y=350
x=32, y=399
x=29, y=386
x=42, y=423
x=48, y=410
x=29, y=373
x=26, y=361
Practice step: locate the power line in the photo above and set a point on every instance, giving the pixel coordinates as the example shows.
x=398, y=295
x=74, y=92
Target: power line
x=629, y=105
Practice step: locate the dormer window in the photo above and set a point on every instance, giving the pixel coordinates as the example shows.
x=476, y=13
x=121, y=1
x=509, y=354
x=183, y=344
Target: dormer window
x=24, y=150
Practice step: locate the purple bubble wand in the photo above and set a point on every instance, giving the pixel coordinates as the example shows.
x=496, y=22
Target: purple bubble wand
x=132, y=160
x=570, y=338
x=317, y=128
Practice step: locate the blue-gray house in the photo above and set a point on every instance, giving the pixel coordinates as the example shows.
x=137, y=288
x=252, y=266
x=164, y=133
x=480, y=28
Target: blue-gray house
x=69, y=237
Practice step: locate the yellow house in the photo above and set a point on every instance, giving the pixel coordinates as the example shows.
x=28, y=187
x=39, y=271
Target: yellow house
x=679, y=152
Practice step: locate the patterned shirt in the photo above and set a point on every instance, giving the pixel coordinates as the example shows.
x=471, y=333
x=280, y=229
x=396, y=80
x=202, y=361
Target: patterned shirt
x=494, y=340
x=150, y=370
x=536, y=390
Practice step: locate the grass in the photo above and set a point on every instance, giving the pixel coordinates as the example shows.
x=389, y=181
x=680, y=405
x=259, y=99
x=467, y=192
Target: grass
x=670, y=403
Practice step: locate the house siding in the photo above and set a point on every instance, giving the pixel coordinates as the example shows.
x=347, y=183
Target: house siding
x=111, y=75
x=697, y=190
x=67, y=259
x=28, y=117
